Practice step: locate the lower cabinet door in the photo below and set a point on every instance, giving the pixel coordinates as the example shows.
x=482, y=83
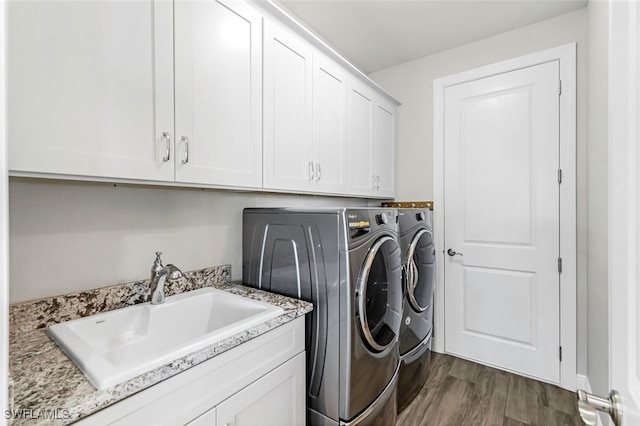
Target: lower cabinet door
x=278, y=399
x=207, y=419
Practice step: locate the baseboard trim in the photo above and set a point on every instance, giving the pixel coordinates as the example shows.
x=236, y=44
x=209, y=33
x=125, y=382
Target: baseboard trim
x=582, y=382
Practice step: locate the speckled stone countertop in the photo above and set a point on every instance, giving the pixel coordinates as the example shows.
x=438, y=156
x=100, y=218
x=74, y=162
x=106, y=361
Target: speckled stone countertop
x=48, y=384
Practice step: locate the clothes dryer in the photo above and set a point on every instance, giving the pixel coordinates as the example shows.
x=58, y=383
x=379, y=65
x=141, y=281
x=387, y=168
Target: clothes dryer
x=415, y=228
x=347, y=262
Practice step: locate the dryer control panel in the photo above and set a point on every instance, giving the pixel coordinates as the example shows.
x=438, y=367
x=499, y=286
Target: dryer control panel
x=364, y=221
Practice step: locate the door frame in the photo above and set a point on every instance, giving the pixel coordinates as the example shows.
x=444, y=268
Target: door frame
x=566, y=55
x=4, y=225
x=624, y=203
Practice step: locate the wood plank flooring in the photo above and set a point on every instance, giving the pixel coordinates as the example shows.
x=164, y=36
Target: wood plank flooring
x=462, y=393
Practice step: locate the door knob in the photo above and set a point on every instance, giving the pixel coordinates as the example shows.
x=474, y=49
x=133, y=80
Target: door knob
x=451, y=252
x=589, y=405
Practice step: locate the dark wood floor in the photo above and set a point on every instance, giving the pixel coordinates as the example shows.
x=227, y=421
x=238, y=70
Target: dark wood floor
x=461, y=393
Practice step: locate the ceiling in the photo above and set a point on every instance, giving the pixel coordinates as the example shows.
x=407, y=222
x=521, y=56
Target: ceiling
x=377, y=34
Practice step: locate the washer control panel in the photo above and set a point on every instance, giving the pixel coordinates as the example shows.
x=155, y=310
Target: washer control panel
x=382, y=218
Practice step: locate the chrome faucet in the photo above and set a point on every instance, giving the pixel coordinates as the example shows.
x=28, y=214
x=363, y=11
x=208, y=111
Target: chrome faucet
x=159, y=275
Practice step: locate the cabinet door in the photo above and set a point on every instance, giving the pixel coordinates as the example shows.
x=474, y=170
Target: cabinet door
x=276, y=399
x=329, y=125
x=360, y=177
x=90, y=88
x=218, y=56
x=288, y=157
x=209, y=418
x=384, y=148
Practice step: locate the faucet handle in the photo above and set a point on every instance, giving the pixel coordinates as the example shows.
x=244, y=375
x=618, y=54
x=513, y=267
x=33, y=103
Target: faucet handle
x=157, y=264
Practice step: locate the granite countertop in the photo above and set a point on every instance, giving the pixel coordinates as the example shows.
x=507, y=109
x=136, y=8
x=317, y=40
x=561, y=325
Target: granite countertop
x=48, y=384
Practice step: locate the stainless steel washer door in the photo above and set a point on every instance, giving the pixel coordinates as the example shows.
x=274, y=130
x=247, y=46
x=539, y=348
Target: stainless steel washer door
x=379, y=295
x=420, y=268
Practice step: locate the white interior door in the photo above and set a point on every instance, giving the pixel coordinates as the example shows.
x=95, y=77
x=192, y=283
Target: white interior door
x=624, y=206
x=501, y=195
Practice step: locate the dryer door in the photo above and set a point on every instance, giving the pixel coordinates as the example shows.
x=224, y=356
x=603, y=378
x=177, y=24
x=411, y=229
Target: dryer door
x=379, y=294
x=420, y=268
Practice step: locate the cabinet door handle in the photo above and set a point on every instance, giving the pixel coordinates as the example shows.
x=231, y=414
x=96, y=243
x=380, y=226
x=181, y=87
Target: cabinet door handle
x=311, y=171
x=318, y=174
x=374, y=182
x=378, y=185
x=167, y=138
x=185, y=160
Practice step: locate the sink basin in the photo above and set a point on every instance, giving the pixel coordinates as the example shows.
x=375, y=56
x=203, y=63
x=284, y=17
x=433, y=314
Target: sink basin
x=118, y=345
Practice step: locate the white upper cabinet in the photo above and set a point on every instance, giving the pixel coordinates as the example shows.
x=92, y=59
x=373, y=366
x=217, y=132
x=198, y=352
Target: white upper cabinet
x=90, y=88
x=288, y=154
x=360, y=130
x=384, y=148
x=221, y=93
x=218, y=66
x=329, y=126
x=371, y=147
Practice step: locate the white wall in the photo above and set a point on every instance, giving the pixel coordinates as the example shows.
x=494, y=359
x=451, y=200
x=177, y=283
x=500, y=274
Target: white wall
x=597, y=182
x=412, y=84
x=72, y=236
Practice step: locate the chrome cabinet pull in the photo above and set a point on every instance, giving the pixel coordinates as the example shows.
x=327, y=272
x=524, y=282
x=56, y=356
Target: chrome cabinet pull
x=451, y=252
x=311, y=170
x=318, y=174
x=376, y=182
x=185, y=160
x=589, y=405
x=167, y=137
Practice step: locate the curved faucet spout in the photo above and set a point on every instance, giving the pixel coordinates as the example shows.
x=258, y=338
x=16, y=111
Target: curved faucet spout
x=159, y=278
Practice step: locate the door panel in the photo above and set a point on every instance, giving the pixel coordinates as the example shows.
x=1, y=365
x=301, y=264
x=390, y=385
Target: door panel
x=484, y=314
x=218, y=93
x=502, y=217
x=288, y=135
x=90, y=88
x=384, y=148
x=360, y=131
x=497, y=157
x=276, y=399
x=330, y=125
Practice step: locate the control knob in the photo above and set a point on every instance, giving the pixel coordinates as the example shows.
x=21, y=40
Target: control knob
x=420, y=216
x=382, y=218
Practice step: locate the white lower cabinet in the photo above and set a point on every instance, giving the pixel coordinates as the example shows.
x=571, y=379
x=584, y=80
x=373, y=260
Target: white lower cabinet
x=260, y=382
x=275, y=399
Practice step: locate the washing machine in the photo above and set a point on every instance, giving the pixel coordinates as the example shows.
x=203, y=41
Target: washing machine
x=347, y=262
x=415, y=229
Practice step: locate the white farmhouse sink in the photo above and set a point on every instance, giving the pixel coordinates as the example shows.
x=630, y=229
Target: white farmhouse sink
x=115, y=346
